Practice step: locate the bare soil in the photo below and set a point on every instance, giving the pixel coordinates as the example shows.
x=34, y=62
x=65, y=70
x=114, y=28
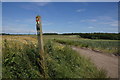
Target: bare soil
x=108, y=63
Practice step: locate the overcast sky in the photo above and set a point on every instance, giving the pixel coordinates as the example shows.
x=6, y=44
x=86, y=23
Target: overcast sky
x=60, y=17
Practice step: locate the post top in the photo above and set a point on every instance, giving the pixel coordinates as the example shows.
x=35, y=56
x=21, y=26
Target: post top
x=38, y=16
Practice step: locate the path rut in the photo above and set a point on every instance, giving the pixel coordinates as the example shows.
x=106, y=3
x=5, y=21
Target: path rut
x=108, y=63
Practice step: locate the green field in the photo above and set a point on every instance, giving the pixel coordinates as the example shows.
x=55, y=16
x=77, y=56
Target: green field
x=104, y=46
x=20, y=57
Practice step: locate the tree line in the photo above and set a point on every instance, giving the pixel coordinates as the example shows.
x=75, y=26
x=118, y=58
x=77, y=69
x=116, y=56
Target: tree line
x=111, y=36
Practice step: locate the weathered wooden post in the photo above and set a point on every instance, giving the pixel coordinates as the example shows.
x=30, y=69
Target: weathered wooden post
x=40, y=44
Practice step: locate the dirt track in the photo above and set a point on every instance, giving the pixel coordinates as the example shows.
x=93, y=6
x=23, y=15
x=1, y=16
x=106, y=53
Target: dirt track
x=108, y=63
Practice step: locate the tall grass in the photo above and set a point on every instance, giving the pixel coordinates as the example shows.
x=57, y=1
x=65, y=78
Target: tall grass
x=63, y=62
x=20, y=60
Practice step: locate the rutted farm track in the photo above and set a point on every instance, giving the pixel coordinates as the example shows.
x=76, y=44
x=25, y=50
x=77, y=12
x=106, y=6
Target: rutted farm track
x=108, y=63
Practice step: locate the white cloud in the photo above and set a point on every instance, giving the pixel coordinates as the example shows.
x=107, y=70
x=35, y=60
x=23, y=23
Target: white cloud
x=93, y=20
x=20, y=26
x=90, y=27
x=9, y=29
x=113, y=23
x=89, y=20
x=108, y=18
x=29, y=7
x=41, y=3
x=102, y=20
x=80, y=10
x=34, y=6
x=28, y=20
x=69, y=22
x=47, y=23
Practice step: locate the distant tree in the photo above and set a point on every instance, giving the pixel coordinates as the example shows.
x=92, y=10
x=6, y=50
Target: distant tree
x=50, y=33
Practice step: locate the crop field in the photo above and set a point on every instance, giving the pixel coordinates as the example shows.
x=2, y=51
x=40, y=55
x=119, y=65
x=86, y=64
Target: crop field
x=105, y=46
x=20, y=56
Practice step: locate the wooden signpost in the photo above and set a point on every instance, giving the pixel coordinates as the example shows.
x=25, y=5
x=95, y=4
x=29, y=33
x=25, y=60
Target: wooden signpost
x=40, y=44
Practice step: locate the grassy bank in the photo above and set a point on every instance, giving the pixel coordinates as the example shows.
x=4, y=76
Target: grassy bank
x=20, y=60
x=63, y=62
